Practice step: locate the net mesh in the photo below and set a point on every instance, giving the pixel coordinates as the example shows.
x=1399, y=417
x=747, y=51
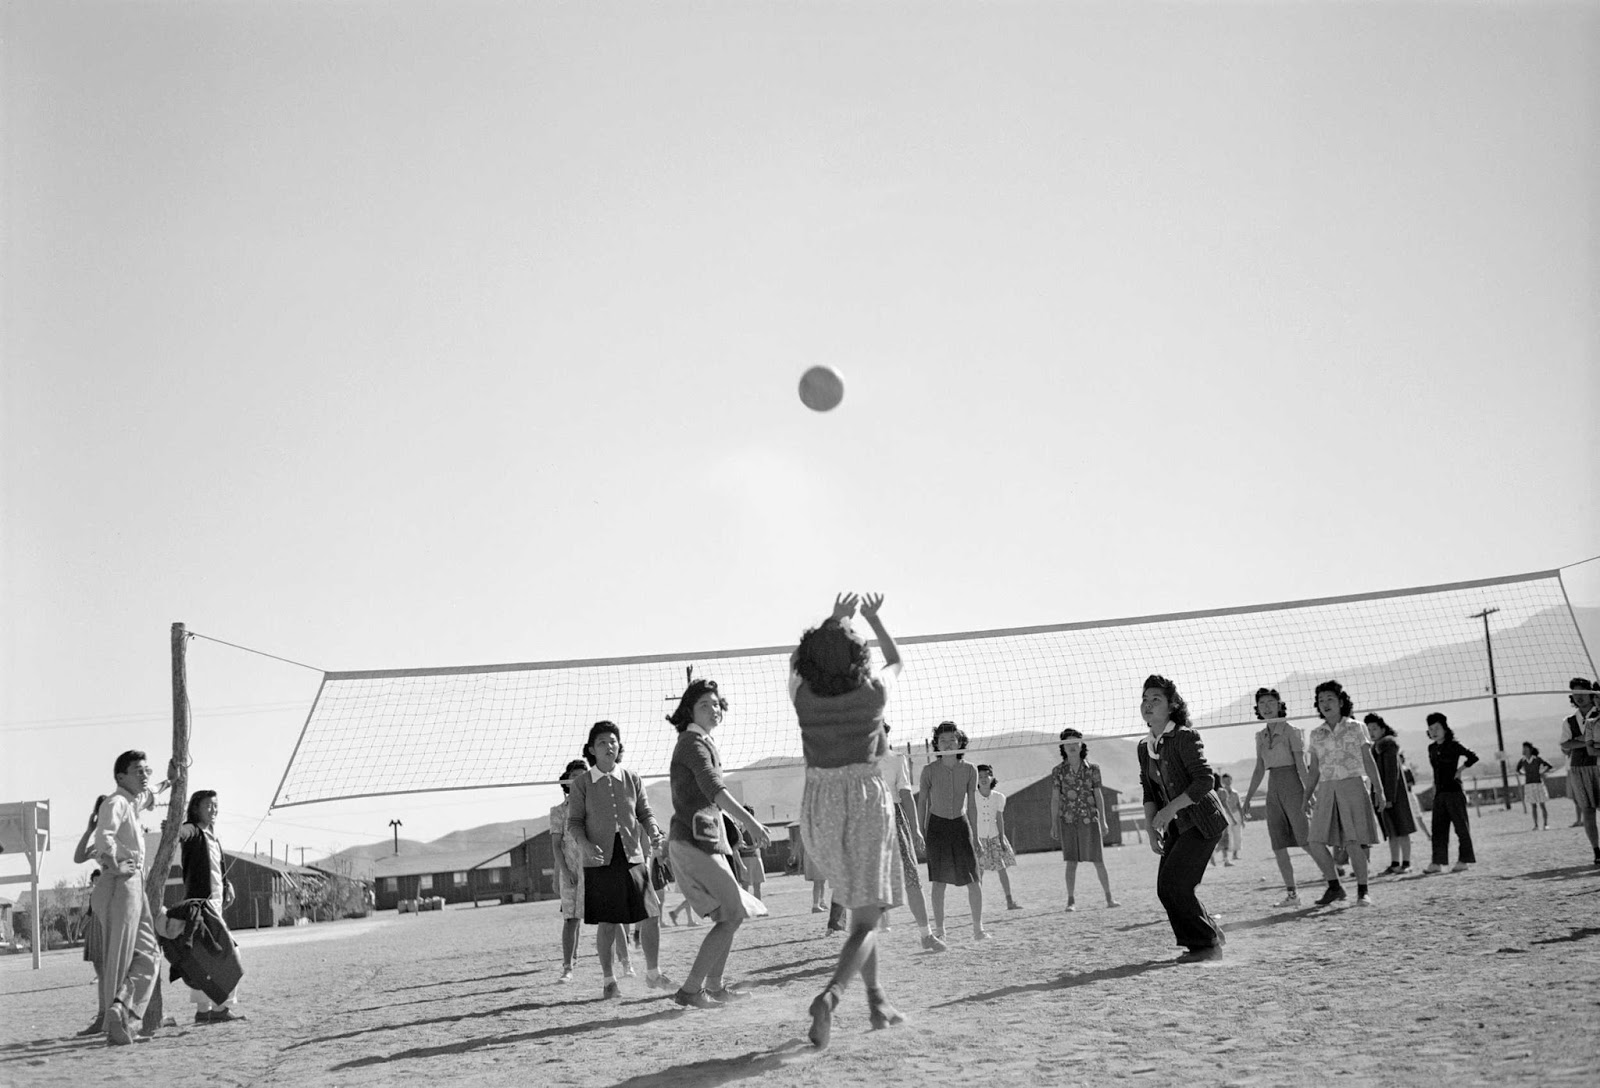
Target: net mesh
x=384, y=732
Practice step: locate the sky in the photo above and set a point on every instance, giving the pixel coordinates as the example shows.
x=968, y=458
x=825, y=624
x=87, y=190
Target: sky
x=412, y=334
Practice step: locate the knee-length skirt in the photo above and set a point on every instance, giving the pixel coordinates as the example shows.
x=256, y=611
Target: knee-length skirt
x=950, y=856
x=1344, y=813
x=615, y=892
x=848, y=830
x=1082, y=841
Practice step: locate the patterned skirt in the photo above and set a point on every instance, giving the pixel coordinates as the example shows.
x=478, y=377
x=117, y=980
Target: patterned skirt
x=847, y=828
x=908, y=849
x=995, y=854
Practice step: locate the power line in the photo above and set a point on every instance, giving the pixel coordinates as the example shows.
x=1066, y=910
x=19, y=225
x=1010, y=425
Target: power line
x=92, y=722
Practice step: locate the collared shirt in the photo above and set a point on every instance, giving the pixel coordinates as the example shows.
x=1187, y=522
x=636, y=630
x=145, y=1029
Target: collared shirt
x=118, y=836
x=1155, y=745
x=1076, y=792
x=990, y=812
x=1278, y=742
x=1338, y=750
x=710, y=740
x=596, y=774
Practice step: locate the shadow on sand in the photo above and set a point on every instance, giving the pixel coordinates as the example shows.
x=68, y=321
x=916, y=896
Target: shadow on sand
x=716, y=1071
x=1065, y=982
x=466, y=1046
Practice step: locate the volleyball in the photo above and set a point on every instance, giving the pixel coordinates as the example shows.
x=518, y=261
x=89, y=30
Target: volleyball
x=821, y=388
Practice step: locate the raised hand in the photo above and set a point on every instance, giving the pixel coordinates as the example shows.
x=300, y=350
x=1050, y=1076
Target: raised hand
x=870, y=603
x=844, y=606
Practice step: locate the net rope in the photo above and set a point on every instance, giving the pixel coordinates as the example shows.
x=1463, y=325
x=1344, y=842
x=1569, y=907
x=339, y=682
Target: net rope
x=383, y=732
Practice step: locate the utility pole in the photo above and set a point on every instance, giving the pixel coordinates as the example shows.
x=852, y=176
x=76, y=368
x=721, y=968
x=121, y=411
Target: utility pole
x=1494, y=692
x=302, y=856
x=396, y=824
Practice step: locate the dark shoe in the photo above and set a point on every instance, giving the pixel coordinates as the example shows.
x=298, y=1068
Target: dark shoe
x=1334, y=893
x=727, y=995
x=697, y=1000
x=202, y=1018
x=1201, y=955
x=1394, y=867
x=822, y=1007
x=95, y=1028
x=880, y=1012
x=223, y=1016
x=1405, y=867
x=610, y=992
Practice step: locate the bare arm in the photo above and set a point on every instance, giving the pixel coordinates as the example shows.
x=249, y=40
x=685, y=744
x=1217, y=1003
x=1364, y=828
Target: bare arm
x=908, y=803
x=870, y=604
x=1256, y=776
x=1313, y=774
x=1055, y=815
x=972, y=809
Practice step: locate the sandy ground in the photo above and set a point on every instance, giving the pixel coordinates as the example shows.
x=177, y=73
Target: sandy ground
x=1488, y=977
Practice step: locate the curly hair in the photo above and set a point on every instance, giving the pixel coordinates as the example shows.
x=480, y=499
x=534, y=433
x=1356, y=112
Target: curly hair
x=596, y=730
x=950, y=727
x=1262, y=693
x=683, y=717
x=196, y=799
x=1346, y=706
x=1067, y=734
x=1377, y=720
x=833, y=659
x=1179, y=709
x=993, y=781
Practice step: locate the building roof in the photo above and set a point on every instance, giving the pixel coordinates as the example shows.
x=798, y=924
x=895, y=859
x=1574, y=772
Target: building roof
x=455, y=861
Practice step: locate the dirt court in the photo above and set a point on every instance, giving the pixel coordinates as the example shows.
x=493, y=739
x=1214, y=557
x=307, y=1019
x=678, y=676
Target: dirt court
x=1488, y=977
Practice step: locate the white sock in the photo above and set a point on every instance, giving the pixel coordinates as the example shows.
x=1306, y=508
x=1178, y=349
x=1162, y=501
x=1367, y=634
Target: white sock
x=926, y=930
x=608, y=980
x=652, y=974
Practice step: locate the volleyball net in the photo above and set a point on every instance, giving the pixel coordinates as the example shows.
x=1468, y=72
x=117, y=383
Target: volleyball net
x=394, y=731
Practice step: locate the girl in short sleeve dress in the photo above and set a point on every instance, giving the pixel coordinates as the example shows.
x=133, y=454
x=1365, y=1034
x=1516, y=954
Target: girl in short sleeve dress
x=847, y=823
x=1077, y=814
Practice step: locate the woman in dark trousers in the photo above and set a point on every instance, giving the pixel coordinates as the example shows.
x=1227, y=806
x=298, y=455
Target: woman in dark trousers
x=1448, y=759
x=1185, y=818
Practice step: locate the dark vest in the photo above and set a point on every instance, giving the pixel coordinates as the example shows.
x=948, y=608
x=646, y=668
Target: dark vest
x=195, y=859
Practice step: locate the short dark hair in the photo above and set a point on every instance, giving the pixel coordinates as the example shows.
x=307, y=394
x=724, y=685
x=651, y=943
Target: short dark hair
x=596, y=730
x=1377, y=720
x=1529, y=745
x=196, y=799
x=1346, y=706
x=1442, y=722
x=128, y=759
x=683, y=717
x=950, y=727
x=986, y=767
x=1262, y=693
x=1179, y=709
x=1067, y=734
x=576, y=766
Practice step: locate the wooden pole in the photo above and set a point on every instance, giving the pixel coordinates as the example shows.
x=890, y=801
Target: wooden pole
x=177, y=775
